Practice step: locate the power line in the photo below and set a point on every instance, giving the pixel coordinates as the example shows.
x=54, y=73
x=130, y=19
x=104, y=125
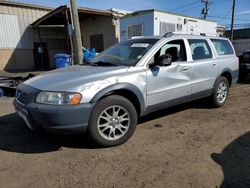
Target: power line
x=184, y=6
x=224, y=16
x=227, y=18
x=228, y=12
x=188, y=8
x=220, y=1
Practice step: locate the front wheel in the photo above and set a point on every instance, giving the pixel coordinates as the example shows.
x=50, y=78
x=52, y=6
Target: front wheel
x=112, y=121
x=220, y=92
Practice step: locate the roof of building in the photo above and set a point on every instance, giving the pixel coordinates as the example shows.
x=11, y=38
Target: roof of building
x=141, y=12
x=57, y=16
x=119, y=11
x=85, y=10
x=240, y=33
x=25, y=5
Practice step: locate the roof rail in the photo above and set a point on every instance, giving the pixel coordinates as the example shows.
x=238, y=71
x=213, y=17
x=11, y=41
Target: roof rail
x=168, y=34
x=136, y=37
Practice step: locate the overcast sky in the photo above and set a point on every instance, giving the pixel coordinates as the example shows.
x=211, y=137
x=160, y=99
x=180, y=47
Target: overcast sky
x=219, y=10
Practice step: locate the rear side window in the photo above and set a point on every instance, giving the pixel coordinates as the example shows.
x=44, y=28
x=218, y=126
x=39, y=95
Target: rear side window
x=222, y=47
x=200, y=49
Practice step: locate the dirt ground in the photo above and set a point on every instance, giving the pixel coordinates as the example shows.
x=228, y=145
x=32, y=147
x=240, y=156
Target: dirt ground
x=192, y=145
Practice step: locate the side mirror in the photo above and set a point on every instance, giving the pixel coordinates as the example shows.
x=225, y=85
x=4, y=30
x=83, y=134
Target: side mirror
x=164, y=60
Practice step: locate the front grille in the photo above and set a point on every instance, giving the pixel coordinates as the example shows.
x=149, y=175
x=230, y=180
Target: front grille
x=21, y=96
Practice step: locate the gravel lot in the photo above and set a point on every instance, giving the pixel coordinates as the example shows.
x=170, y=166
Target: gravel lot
x=192, y=145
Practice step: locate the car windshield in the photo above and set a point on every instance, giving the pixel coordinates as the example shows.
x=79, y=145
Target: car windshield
x=126, y=53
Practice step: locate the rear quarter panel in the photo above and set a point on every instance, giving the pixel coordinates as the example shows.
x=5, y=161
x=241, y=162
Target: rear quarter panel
x=227, y=63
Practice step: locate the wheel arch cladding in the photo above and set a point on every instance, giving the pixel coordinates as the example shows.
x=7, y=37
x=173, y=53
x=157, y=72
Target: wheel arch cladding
x=129, y=91
x=227, y=73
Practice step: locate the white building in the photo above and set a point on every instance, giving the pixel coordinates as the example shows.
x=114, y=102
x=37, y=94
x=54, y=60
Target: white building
x=154, y=22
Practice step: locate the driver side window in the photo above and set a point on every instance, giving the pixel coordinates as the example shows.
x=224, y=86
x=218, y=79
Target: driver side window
x=175, y=48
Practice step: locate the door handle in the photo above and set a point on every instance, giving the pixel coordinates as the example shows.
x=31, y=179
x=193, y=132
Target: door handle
x=185, y=69
x=214, y=64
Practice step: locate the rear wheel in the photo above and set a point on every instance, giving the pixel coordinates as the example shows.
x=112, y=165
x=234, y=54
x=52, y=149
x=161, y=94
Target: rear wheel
x=220, y=92
x=113, y=121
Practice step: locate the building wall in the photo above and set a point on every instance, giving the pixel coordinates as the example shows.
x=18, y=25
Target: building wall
x=18, y=19
x=152, y=23
x=239, y=33
x=17, y=38
x=99, y=25
x=147, y=20
x=13, y=57
x=189, y=25
x=241, y=45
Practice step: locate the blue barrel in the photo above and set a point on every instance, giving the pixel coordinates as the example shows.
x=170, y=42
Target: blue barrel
x=62, y=60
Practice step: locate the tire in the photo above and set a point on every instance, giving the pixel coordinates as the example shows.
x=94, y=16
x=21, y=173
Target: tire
x=107, y=128
x=220, y=92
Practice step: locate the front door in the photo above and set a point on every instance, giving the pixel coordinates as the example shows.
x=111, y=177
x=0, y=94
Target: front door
x=169, y=83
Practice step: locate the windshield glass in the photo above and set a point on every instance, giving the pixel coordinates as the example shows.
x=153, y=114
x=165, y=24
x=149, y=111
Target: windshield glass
x=126, y=53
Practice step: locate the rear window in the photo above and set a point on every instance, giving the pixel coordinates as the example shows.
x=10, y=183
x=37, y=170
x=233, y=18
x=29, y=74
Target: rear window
x=222, y=47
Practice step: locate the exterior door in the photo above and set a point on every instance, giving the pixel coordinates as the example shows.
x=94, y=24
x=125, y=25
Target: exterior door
x=96, y=41
x=41, y=56
x=167, y=83
x=205, y=68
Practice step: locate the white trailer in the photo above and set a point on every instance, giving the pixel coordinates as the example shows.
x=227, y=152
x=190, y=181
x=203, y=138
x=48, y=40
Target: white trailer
x=154, y=22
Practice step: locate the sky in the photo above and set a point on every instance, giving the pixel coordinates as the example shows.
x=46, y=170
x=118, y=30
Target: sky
x=219, y=10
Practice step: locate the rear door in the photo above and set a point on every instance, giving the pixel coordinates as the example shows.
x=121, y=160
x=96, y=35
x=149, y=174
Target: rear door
x=205, y=66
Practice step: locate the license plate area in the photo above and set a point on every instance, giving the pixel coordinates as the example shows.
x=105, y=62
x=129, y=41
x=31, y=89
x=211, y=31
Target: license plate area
x=24, y=115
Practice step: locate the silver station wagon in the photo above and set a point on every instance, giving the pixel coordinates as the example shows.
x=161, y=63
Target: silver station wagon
x=131, y=79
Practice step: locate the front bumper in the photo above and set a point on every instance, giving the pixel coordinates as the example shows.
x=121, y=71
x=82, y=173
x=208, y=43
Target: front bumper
x=54, y=118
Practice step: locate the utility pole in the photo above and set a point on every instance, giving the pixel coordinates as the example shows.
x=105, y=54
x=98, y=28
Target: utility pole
x=205, y=10
x=76, y=33
x=232, y=21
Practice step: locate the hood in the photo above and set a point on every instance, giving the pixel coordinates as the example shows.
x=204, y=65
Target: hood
x=67, y=78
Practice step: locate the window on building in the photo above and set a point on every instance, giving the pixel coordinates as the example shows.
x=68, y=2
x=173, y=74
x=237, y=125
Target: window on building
x=166, y=27
x=200, y=49
x=222, y=47
x=179, y=27
x=135, y=30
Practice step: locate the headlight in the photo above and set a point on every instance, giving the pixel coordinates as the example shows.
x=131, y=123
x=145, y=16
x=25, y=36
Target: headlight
x=59, y=98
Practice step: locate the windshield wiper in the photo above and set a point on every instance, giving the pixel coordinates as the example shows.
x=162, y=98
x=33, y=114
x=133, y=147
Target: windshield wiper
x=91, y=63
x=103, y=63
